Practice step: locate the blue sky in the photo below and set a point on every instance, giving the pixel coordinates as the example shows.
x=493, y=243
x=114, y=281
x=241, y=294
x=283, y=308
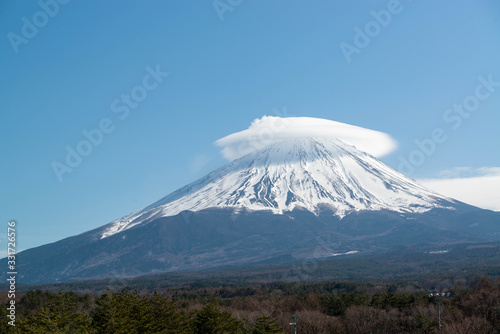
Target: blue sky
x=64, y=65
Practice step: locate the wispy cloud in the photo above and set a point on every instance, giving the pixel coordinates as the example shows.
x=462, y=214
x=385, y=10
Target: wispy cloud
x=270, y=129
x=476, y=186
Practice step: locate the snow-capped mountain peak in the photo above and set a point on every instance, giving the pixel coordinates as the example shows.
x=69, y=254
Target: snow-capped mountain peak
x=314, y=174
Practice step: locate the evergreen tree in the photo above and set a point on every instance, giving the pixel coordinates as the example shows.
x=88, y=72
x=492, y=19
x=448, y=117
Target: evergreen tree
x=334, y=305
x=160, y=316
x=119, y=312
x=60, y=315
x=266, y=325
x=210, y=320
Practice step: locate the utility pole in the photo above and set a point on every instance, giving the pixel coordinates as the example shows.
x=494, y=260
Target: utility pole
x=294, y=323
x=437, y=297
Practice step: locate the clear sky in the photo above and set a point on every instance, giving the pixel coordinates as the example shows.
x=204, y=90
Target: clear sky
x=156, y=83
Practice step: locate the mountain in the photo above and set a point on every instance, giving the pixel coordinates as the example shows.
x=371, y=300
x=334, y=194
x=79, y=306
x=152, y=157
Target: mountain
x=295, y=199
x=303, y=173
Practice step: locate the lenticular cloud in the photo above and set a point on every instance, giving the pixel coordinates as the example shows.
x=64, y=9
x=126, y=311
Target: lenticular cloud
x=270, y=129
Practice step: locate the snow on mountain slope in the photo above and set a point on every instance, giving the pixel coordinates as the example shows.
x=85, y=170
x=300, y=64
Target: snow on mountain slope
x=309, y=173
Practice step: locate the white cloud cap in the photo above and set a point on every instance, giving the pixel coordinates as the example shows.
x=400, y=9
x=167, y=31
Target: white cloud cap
x=271, y=129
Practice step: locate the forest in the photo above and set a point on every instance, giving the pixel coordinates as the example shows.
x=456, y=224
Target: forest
x=321, y=307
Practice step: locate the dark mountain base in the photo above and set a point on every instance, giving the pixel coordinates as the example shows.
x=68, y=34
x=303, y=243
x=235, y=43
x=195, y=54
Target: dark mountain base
x=402, y=266
x=194, y=241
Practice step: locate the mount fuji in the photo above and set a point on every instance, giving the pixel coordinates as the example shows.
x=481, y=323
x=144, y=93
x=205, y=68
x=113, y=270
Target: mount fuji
x=275, y=204
x=312, y=174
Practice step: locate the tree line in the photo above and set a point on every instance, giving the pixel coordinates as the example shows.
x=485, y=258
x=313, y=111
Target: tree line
x=327, y=307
